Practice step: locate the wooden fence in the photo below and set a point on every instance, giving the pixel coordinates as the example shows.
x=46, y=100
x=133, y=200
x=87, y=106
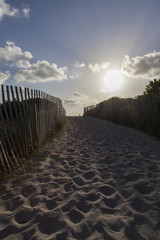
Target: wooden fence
x=142, y=112
x=27, y=117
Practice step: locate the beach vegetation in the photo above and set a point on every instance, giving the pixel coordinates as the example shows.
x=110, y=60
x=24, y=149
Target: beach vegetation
x=153, y=87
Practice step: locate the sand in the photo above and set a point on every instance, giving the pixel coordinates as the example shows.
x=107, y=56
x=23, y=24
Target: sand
x=98, y=180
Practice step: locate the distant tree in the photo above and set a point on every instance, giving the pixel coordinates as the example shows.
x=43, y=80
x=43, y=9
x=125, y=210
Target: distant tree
x=153, y=87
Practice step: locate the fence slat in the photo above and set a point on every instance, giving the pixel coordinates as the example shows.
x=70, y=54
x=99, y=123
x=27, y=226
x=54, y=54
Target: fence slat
x=6, y=141
x=14, y=126
x=26, y=114
x=20, y=129
x=142, y=113
x=26, y=119
x=31, y=119
x=4, y=159
x=10, y=130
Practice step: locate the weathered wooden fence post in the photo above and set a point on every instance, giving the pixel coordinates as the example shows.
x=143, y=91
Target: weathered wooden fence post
x=26, y=119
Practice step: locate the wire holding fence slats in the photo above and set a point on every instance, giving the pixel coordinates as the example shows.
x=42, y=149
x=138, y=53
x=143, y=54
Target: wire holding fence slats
x=27, y=117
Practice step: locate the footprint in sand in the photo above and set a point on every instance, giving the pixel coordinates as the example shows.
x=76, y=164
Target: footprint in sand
x=72, y=163
x=107, y=190
x=131, y=177
x=61, y=236
x=69, y=187
x=34, y=201
x=75, y=216
x=83, y=232
x=44, y=179
x=83, y=206
x=111, y=202
x=69, y=206
x=9, y=230
x=133, y=233
x=148, y=232
x=143, y=187
x=140, y=205
x=51, y=204
x=87, y=155
x=115, y=223
x=29, y=234
x=153, y=168
x=82, y=152
x=14, y=203
x=24, y=215
x=92, y=197
x=89, y=175
x=152, y=175
x=28, y=189
x=70, y=150
x=157, y=205
x=83, y=168
x=50, y=223
x=127, y=192
x=79, y=181
x=107, y=211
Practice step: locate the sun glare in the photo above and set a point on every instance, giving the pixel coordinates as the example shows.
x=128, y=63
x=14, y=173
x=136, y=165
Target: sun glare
x=113, y=80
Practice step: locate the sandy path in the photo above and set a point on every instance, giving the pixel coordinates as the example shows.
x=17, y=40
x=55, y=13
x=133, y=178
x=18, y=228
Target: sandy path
x=99, y=181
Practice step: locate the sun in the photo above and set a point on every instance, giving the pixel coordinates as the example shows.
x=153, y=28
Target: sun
x=113, y=81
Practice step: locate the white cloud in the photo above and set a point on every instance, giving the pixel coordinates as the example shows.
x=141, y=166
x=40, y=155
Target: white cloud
x=77, y=70
x=75, y=75
x=4, y=76
x=7, y=10
x=101, y=91
x=74, y=104
x=26, y=10
x=41, y=71
x=78, y=95
x=79, y=65
x=13, y=55
x=71, y=101
x=98, y=67
x=76, y=99
x=146, y=66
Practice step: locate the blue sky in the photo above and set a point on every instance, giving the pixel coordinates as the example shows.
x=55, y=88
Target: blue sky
x=67, y=47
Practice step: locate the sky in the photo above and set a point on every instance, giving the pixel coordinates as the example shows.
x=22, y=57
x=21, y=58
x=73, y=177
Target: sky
x=82, y=51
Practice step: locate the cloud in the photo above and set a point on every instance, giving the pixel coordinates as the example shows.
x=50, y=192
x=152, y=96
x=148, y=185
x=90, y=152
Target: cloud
x=76, y=99
x=77, y=94
x=41, y=71
x=7, y=10
x=70, y=101
x=146, y=66
x=75, y=75
x=98, y=67
x=13, y=55
x=79, y=65
x=101, y=91
x=76, y=72
x=4, y=76
x=26, y=11
x=75, y=103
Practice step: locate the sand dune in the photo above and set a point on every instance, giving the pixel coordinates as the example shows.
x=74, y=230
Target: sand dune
x=98, y=180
